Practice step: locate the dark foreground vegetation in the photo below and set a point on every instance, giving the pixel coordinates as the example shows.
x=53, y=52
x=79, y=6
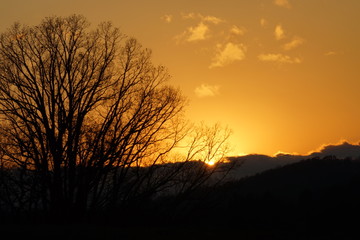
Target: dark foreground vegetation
x=311, y=199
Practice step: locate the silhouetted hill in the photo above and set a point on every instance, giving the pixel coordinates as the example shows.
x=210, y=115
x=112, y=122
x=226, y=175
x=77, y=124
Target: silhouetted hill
x=311, y=174
x=314, y=197
x=256, y=163
x=342, y=151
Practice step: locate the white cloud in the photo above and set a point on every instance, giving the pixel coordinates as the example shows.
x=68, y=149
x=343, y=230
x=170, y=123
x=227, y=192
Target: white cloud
x=227, y=54
x=282, y=3
x=295, y=42
x=279, y=32
x=205, y=90
x=167, y=18
x=278, y=58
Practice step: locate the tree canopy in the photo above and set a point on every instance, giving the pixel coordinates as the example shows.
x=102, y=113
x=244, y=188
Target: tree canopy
x=87, y=119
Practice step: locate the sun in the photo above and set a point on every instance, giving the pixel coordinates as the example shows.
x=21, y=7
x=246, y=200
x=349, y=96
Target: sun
x=211, y=162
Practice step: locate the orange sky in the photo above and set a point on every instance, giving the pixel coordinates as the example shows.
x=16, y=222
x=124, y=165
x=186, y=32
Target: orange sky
x=283, y=74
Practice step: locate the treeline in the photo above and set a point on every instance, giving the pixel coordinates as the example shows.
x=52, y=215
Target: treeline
x=144, y=188
x=313, y=199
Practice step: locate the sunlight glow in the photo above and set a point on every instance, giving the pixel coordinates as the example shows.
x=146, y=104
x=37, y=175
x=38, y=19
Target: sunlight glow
x=259, y=60
x=211, y=162
x=279, y=153
x=241, y=154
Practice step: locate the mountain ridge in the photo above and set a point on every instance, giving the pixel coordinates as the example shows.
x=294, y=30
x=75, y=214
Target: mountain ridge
x=252, y=164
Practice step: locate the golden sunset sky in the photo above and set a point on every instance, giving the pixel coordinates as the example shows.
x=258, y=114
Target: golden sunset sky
x=284, y=75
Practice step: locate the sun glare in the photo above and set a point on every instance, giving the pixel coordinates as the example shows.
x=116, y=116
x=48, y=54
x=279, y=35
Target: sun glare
x=211, y=162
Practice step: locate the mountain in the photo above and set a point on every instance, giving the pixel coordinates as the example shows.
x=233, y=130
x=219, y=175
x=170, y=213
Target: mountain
x=344, y=150
x=255, y=163
x=316, y=198
x=252, y=164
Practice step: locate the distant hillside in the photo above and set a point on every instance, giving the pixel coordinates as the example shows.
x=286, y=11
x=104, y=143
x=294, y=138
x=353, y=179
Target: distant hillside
x=342, y=151
x=252, y=164
x=317, y=196
x=256, y=163
x=306, y=175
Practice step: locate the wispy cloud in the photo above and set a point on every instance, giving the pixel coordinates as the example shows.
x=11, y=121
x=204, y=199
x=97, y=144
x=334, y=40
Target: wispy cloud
x=167, y=18
x=235, y=30
x=189, y=16
x=278, y=58
x=294, y=43
x=208, y=19
x=263, y=22
x=227, y=54
x=194, y=33
x=279, y=32
x=212, y=19
x=282, y=3
x=197, y=33
x=224, y=38
x=205, y=90
x=201, y=30
x=333, y=53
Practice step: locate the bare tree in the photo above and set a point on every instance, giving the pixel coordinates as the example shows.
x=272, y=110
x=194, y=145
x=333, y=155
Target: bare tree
x=86, y=118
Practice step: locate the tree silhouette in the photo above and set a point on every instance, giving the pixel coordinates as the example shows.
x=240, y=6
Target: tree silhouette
x=87, y=120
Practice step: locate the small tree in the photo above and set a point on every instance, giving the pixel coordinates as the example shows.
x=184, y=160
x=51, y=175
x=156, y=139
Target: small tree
x=86, y=118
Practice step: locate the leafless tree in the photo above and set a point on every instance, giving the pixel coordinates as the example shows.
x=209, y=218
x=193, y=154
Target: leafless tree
x=87, y=119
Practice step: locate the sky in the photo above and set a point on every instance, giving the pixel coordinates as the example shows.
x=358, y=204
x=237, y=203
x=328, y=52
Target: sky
x=284, y=75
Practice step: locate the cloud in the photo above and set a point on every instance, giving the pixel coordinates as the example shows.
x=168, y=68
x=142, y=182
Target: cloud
x=227, y=54
x=279, y=32
x=212, y=19
x=263, y=22
x=333, y=53
x=207, y=90
x=189, y=16
x=198, y=33
x=201, y=27
x=278, y=58
x=195, y=33
x=295, y=42
x=208, y=19
x=282, y=3
x=167, y=18
x=235, y=30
